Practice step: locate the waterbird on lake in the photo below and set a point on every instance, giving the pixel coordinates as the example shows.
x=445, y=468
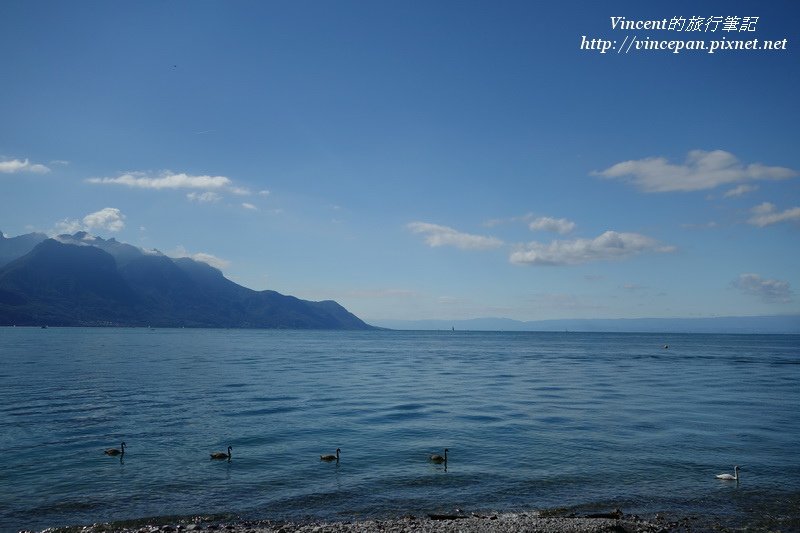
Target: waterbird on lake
x=728, y=477
x=330, y=457
x=222, y=455
x=115, y=451
x=436, y=458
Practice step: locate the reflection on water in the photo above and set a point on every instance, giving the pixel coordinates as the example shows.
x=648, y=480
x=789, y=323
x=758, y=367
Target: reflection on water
x=531, y=421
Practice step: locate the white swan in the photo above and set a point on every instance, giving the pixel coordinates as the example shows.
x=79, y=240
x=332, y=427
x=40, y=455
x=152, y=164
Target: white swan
x=729, y=477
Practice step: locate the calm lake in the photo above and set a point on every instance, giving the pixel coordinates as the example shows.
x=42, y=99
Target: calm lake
x=583, y=421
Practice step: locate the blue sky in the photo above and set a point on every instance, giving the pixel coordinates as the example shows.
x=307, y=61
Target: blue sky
x=417, y=160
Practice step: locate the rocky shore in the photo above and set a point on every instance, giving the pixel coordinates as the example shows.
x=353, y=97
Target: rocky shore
x=615, y=522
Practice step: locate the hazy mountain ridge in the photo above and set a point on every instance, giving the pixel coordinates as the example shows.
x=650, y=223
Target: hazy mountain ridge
x=80, y=280
x=775, y=324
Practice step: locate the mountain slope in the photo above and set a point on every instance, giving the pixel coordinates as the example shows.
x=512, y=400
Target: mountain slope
x=60, y=284
x=96, y=282
x=15, y=247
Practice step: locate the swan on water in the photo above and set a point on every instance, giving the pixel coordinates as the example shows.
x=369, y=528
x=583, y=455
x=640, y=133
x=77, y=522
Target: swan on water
x=115, y=451
x=436, y=458
x=222, y=455
x=729, y=477
x=330, y=457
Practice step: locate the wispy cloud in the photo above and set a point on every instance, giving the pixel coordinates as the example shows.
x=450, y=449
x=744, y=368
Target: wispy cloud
x=69, y=225
x=701, y=170
x=558, y=225
x=203, y=197
x=165, y=180
x=203, y=257
x=249, y=206
x=768, y=290
x=436, y=235
x=767, y=214
x=541, y=223
x=108, y=218
x=610, y=245
x=741, y=190
x=14, y=166
x=705, y=225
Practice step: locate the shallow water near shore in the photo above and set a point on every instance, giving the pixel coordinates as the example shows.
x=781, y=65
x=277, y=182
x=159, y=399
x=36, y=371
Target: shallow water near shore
x=532, y=421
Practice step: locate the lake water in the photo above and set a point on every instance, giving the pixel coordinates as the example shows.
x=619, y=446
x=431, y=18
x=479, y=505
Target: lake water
x=586, y=422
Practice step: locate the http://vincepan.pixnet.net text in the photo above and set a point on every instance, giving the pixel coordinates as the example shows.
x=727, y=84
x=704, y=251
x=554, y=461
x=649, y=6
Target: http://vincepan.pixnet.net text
x=679, y=34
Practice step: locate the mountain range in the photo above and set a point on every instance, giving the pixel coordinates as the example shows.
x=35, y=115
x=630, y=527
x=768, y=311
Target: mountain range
x=82, y=280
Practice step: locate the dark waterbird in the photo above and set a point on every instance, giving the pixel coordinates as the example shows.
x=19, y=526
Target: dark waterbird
x=222, y=455
x=116, y=451
x=438, y=459
x=330, y=457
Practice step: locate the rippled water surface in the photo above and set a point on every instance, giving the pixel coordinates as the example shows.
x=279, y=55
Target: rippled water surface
x=532, y=421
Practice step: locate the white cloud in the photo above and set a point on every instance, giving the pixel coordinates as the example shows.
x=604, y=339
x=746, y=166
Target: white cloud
x=241, y=191
x=769, y=290
x=212, y=260
x=264, y=192
x=701, y=170
x=109, y=218
x=558, y=225
x=766, y=214
x=166, y=180
x=68, y=225
x=250, y=206
x=19, y=165
x=608, y=246
x=741, y=190
x=203, y=257
x=203, y=197
x=436, y=235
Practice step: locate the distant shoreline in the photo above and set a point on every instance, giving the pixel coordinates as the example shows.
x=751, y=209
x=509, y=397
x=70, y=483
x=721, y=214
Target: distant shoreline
x=756, y=325
x=409, y=329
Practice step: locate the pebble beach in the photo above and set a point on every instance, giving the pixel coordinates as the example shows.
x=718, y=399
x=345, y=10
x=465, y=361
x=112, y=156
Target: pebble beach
x=614, y=521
